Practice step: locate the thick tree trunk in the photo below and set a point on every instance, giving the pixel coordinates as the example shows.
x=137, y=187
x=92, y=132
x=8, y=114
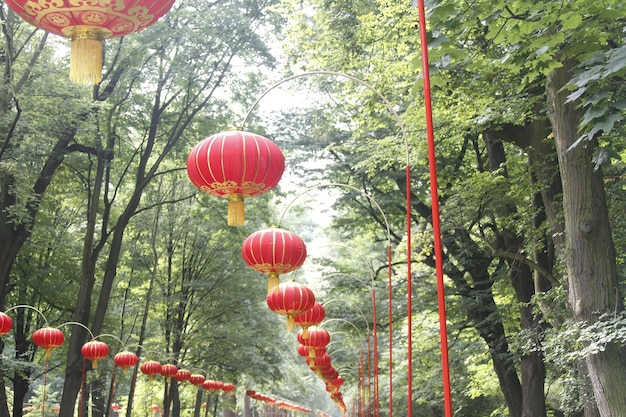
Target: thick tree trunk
x=590, y=256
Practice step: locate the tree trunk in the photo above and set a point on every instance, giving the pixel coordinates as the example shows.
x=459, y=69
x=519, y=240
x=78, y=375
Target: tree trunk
x=590, y=256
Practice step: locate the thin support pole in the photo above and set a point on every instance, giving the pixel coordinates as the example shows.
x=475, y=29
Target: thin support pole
x=432, y=162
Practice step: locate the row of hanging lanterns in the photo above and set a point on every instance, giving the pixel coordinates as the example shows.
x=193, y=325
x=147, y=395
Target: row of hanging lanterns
x=88, y=24
x=282, y=404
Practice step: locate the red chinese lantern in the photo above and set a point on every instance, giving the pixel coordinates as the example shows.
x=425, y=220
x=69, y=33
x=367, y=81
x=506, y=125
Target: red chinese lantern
x=87, y=24
x=318, y=338
x=290, y=299
x=95, y=351
x=150, y=368
x=6, y=324
x=168, y=370
x=125, y=360
x=48, y=338
x=228, y=387
x=234, y=165
x=182, y=375
x=197, y=379
x=313, y=317
x=273, y=251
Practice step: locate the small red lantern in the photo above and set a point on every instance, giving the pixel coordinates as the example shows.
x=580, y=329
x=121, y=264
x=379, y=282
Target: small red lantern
x=290, y=299
x=48, y=338
x=6, y=324
x=318, y=338
x=168, y=370
x=95, y=351
x=228, y=387
x=150, y=368
x=234, y=165
x=197, y=379
x=273, y=251
x=313, y=317
x=182, y=375
x=87, y=24
x=125, y=360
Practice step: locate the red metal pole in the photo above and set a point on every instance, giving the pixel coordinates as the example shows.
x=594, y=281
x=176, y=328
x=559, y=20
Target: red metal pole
x=390, y=314
x=432, y=161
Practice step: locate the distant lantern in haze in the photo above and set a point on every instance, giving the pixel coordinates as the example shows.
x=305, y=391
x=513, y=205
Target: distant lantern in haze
x=88, y=24
x=235, y=165
x=273, y=251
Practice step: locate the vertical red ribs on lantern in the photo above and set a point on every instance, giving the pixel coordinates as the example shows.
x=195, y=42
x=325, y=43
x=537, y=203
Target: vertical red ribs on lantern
x=273, y=251
x=235, y=165
x=87, y=24
x=290, y=299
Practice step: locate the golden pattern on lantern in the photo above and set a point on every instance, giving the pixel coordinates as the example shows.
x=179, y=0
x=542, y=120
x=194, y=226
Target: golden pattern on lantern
x=87, y=23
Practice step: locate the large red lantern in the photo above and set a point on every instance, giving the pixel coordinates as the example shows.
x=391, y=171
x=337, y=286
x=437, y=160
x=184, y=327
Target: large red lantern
x=234, y=165
x=273, y=251
x=6, y=324
x=95, y=351
x=125, y=360
x=48, y=338
x=318, y=338
x=313, y=317
x=151, y=368
x=290, y=299
x=87, y=24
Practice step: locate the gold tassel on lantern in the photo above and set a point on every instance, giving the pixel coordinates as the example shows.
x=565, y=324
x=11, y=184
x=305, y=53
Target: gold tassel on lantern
x=291, y=323
x=235, y=210
x=273, y=280
x=86, y=55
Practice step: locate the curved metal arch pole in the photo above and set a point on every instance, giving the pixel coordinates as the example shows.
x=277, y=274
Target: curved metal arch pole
x=408, y=225
x=432, y=163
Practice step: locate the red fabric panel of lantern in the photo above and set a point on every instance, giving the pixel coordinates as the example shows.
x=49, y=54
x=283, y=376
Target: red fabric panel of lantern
x=312, y=317
x=95, y=351
x=228, y=387
x=290, y=299
x=182, y=375
x=273, y=250
x=48, y=338
x=196, y=379
x=150, y=368
x=125, y=359
x=6, y=324
x=114, y=18
x=168, y=370
x=235, y=162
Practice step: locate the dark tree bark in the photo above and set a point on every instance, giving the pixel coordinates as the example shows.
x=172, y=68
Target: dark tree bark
x=589, y=252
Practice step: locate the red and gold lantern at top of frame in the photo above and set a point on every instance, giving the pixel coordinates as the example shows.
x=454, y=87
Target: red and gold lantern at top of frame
x=87, y=24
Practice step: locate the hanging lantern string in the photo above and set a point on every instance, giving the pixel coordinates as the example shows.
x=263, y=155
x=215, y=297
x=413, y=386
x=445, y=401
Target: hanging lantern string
x=408, y=215
x=389, y=283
